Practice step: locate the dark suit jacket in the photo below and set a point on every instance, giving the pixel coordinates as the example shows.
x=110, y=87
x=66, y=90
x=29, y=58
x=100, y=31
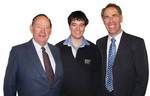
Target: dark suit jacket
x=25, y=74
x=130, y=70
x=80, y=73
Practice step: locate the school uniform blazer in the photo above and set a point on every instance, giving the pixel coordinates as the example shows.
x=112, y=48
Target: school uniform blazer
x=25, y=74
x=81, y=73
x=130, y=69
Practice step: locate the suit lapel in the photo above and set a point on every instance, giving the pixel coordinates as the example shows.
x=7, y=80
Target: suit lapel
x=35, y=59
x=54, y=56
x=121, y=48
x=57, y=61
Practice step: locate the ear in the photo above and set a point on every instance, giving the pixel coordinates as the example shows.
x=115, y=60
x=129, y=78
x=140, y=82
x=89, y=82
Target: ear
x=121, y=18
x=50, y=31
x=31, y=28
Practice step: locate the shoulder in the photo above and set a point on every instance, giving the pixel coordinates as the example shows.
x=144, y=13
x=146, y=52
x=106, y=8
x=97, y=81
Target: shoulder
x=22, y=46
x=132, y=38
x=91, y=46
x=91, y=43
x=60, y=44
x=133, y=42
x=52, y=47
x=101, y=40
x=20, y=49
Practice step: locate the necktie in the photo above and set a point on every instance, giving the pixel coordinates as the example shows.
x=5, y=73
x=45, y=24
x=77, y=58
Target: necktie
x=47, y=64
x=109, y=72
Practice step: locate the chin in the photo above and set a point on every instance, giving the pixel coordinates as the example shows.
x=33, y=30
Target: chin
x=78, y=37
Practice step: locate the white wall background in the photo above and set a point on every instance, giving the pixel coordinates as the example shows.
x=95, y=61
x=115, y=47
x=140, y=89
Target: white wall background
x=16, y=16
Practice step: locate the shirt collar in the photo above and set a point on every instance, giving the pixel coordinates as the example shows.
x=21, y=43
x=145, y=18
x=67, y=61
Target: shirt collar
x=117, y=37
x=38, y=46
x=68, y=42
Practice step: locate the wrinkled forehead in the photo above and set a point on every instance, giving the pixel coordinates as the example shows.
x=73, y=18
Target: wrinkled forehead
x=41, y=20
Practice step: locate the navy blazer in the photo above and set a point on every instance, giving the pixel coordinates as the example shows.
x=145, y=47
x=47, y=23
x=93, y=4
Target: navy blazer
x=81, y=73
x=130, y=70
x=25, y=74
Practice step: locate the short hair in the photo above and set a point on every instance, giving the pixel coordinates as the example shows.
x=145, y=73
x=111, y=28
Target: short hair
x=39, y=15
x=78, y=15
x=111, y=5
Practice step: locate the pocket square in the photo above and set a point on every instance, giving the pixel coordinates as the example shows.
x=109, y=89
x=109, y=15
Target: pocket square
x=87, y=61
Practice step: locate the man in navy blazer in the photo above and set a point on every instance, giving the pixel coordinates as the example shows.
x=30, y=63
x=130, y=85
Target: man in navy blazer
x=25, y=73
x=81, y=59
x=130, y=66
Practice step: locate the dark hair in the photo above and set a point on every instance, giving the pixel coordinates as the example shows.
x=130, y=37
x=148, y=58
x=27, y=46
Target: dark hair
x=39, y=15
x=111, y=5
x=78, y=15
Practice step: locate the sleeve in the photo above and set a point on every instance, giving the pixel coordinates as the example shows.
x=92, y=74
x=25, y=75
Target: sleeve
x=10, y=75
x=142, y=71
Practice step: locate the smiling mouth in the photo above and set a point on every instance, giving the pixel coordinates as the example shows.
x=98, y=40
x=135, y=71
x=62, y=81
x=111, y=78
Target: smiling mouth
x=42, y=36
x=111, y=26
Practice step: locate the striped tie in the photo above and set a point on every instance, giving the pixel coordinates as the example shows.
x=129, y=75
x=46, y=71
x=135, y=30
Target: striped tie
x=47, y=65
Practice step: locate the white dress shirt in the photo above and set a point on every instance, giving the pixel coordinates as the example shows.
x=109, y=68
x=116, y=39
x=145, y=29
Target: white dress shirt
x=39, y=52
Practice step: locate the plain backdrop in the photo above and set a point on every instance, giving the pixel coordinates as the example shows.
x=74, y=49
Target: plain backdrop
x=16, y=17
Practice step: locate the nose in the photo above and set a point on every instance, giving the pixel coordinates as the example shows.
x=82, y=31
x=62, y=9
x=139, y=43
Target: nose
x=78, y=28
x=110, y=19
x=43, y=29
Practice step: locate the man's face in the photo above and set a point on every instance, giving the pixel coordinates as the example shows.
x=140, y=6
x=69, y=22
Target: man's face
x=112, y=21
x=77, y=28
x=41, y=30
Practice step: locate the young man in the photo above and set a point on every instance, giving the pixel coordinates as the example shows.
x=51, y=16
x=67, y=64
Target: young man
x=81, y=59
